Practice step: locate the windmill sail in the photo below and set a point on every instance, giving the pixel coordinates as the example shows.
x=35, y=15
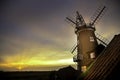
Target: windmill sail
x=97, y=15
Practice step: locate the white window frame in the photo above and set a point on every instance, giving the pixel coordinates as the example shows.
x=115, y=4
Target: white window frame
x=92, y=55
x=92, y=39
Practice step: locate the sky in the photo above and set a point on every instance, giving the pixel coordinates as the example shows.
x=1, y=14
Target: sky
x=34, y=34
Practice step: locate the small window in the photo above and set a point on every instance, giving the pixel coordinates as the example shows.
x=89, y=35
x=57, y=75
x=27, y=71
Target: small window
x=83, y=68
x=92, y=55
x=91, y=39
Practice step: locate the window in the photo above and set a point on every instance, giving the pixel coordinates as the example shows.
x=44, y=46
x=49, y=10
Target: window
x=83, y=68
x=92, y=55
x=91, y=39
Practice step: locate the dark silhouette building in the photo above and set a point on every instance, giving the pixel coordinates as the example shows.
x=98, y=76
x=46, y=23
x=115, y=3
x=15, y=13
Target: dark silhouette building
x=66, y=73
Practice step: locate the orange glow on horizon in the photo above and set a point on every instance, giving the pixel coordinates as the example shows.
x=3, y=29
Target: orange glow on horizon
x=33, y=63
x=19, y=68
x=23, y=60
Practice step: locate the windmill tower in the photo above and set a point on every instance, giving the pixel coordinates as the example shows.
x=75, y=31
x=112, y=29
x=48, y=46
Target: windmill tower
x=86, y=40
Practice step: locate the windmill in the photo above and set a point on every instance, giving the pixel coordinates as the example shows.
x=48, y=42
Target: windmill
x=86, y=40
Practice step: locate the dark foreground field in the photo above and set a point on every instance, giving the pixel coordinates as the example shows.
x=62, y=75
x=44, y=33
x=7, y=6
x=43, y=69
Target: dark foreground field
x=66, y=73
x=31, y=75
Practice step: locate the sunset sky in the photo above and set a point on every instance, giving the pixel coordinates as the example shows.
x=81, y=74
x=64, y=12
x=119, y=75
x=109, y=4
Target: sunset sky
x=34, y=34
